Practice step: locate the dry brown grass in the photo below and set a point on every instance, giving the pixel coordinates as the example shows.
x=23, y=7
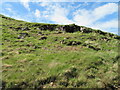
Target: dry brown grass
x=7, y=66
x=69, y=48
x=53, y=64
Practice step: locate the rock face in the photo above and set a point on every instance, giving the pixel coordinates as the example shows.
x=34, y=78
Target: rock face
x=71, y=28
x=85, y=30
x=67, y=28
x=47, y=27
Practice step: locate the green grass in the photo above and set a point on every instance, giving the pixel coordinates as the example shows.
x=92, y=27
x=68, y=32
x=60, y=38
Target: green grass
x=63, y=59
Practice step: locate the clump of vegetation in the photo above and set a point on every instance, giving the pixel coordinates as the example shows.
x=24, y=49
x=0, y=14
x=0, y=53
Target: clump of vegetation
x=37, y=55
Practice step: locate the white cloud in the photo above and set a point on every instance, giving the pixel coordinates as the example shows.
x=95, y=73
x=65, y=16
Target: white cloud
x=88, y=17
x=9, y=9
x=110, y=24
x=61, y=19
x=56, y=13
x=60, y=16
x=106, y=25
x=43, y=4
x=37, y=13
x=82, y=17
x=25, y=4
x=104, y=10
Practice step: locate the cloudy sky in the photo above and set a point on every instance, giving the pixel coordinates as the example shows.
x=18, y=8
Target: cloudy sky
x=98, y=15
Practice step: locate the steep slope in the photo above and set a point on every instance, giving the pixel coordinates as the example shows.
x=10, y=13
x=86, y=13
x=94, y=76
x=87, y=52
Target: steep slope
x=37, y=55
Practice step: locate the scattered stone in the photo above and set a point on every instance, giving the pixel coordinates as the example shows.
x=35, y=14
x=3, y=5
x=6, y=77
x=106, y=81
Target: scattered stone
x=74, y=43
x=72, y=73
x=56, y=39
x=101, y=32
x=67, y=37
x=69, y=43
x=51, y=83
x=82, y=29
x=105, y=39
x=11, y=27
x=111, y=35
x=43, y=38
x=92, y=38
x=18, y=28
x=90, y=76
x=59, y=28
x=94, y=48
x=58, y=32
x=117, y=37
x=86, y=30
x=39, y=32
x=22, y=28
x=64, y=83
x=82, y=35
x=25, y=28
x=22, y=35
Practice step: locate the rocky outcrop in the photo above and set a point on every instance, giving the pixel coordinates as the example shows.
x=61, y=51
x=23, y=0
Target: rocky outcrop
x=100, y=32
x=85, y=30
x=71, y=28
x=47, y=27
x=67, y=28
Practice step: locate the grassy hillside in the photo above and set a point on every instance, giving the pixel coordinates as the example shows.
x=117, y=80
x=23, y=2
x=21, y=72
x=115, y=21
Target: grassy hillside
x=37, y=55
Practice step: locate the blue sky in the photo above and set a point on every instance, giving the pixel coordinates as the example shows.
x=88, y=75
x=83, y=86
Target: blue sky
x=98, y=15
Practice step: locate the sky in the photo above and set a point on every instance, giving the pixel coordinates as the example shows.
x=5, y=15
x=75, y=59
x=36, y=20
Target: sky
x=97, y=15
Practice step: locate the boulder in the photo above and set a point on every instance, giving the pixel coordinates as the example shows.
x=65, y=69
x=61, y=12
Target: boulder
x=74, y=43
x=40, y=33
x=11, y=27
x=92, y=38
x=68, y=28
x=25, y=28
x=71, y=28
x=18, y=28
x=82, y=29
